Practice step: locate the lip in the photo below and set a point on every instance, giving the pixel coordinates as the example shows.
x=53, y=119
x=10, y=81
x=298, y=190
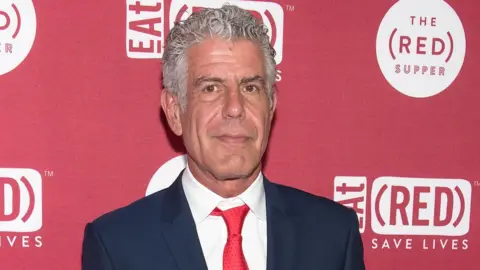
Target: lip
x=233, y=139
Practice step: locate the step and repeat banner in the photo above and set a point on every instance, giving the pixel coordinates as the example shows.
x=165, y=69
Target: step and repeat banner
x=378, y=110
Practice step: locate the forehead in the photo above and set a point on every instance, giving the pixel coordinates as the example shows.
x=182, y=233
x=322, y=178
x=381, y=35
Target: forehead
x=218, y=56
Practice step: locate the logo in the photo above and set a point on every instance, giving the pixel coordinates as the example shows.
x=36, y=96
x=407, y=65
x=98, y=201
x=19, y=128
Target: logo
x=166, y=174
x=420, y=47
x=352, y=192
x=17, y=32
x=146, y=29
x=403, y=206
x=20, y=200
x=418, y=206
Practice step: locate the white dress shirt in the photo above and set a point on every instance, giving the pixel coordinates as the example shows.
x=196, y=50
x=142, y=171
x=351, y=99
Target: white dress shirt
x=212, y=230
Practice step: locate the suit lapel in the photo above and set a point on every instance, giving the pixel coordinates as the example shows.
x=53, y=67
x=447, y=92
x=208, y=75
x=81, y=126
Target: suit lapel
x=280, y=230
x=179, y=229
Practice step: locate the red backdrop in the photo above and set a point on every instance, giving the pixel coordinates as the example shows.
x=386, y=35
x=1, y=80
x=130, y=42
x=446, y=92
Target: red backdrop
x=378, y=109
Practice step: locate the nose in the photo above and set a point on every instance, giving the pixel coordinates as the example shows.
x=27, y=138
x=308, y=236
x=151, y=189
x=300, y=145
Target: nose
x=234, y=106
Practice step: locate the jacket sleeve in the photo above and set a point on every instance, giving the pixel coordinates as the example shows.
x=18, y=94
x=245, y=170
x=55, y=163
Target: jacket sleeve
x=94, y=254
x=354, y=251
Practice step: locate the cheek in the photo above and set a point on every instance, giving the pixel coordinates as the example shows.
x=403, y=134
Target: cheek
x=261, y=123
x=189, y=126
x=201, y=122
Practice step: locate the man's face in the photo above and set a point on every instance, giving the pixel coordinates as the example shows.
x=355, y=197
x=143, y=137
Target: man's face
x=227, y=119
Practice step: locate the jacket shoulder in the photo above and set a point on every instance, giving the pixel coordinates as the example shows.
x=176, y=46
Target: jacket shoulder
x=132, y=215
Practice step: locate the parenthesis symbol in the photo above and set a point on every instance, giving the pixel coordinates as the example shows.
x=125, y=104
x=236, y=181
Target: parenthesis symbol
x=451, y=47
x=19, y=20
x=462, y=207
x=377, y=205
x=180, y=13
x=390, y=43
x=274, y=26
x=31, y=201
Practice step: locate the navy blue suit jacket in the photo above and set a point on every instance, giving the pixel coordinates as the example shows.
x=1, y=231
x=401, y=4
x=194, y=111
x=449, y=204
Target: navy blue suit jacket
x=158, y=232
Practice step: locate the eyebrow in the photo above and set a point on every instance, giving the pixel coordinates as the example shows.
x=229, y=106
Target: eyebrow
x=256, y=78
x=202, y=79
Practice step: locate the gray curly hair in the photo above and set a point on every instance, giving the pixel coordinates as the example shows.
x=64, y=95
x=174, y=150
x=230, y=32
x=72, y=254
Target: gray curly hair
x=228, y=22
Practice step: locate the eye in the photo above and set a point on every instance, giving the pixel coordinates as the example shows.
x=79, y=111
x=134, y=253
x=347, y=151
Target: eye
x=210, y=88
x=251, y=88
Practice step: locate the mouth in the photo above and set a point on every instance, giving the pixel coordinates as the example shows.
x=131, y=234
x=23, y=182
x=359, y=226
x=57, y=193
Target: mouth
x=233, y=139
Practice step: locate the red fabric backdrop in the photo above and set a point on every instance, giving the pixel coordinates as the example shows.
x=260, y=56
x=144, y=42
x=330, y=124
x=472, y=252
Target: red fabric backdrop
x=81, y=133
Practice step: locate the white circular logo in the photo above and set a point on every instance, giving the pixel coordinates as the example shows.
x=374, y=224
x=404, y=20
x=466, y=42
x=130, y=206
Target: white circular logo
x=420, y=47
x=18, y=25
x=166, y=174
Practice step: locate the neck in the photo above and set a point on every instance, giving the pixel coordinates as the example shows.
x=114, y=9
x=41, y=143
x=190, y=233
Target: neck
x=226, y=188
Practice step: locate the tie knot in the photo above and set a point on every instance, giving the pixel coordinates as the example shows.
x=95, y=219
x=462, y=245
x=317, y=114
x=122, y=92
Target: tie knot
x=234, y=218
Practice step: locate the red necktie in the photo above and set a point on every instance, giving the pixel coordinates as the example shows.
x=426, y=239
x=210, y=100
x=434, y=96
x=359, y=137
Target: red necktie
x=233, y=258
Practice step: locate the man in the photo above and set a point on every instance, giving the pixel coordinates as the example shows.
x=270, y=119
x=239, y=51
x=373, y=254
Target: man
x=222, y=212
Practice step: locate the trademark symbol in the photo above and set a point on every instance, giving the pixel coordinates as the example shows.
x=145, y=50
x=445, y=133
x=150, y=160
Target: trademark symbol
x=48, y=173
x=290, y=7
x=476, y=183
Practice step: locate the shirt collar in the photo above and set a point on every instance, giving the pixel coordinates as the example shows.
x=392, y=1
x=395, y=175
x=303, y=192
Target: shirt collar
x=203, y=201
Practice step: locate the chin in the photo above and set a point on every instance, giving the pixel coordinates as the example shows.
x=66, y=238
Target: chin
x=230, y=171
x=225, y=176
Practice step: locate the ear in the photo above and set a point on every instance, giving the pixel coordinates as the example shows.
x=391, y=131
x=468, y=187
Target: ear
x=273, y=104
x=171, y=107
